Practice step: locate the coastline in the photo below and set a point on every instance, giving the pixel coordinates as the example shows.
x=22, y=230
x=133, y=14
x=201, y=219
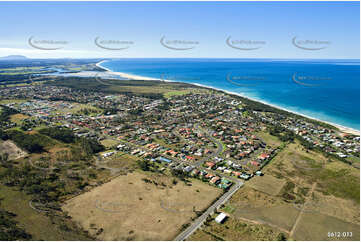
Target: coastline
x=125, y=75
x=137, y=77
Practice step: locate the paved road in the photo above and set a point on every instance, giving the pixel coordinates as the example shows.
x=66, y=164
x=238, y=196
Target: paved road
x=201, y=219
x=216, y=153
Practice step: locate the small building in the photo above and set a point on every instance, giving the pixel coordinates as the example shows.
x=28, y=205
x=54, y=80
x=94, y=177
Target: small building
x=220, y=218
x=259, y=173
x=244, y=176
x=195, y=172
x=221, y=168
x=236, y=173
x=263, y=156
x=188, y=169
x=203, y=173
x=225, y=183
x=108, y=154
x=227, y=171
x=164, y=159
x=215, y=180
x=209, y=176
x=341, y=155
x=210, y=165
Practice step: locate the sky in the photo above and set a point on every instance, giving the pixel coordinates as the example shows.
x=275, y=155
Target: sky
x=287, y=30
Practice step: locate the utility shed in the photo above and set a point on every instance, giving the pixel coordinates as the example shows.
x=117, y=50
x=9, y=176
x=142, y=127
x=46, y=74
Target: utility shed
x=220, y=218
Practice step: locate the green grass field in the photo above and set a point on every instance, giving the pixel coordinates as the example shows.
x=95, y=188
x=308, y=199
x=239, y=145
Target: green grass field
x=270, y=140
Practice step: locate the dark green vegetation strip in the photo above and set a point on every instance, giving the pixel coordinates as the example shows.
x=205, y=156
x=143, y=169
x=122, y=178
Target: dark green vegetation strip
x=33, y=143
x=62, y=134
x=6, y=112
x=115, y=87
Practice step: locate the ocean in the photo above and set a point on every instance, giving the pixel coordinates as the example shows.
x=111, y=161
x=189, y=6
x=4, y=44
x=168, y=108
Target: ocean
x=327, y=90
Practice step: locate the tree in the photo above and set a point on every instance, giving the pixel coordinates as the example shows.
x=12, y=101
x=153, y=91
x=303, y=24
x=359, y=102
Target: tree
x=90, y=146
x=63, y=134
x=281, y=237
x=144, y=165
x=30, y=142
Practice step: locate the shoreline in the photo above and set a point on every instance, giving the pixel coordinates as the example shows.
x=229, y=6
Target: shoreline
x=341, y=128
x=125, y=75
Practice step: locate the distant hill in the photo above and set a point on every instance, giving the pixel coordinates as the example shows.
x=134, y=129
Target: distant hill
x=14, y=57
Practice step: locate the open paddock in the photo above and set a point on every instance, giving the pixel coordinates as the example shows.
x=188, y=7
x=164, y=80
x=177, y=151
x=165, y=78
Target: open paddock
x=140, y=206
x=234, y=230
x=267, y=184
x=316, y=227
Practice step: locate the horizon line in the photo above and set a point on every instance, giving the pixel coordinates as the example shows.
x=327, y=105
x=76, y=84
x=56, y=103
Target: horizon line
x=116, y=58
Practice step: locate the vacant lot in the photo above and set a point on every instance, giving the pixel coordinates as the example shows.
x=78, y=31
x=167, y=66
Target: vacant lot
x=317, y=226
x=304, y=168
x=333, y=206
x=109, y=143
x=294, y=158
x=201, y=235
x=183, y=92
x=267, y=184
x=235, y=229
x=270, y=140
x=122, y=161
x=80, y=108
x=343, y=209
x=248, y=203
x=140, y=206
x=17, y=118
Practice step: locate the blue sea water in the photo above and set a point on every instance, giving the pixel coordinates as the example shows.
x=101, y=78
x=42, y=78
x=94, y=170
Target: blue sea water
x=328, y=90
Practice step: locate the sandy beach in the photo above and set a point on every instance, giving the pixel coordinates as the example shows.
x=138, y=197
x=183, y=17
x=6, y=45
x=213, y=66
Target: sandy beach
x=125, y=75
x=137, y=77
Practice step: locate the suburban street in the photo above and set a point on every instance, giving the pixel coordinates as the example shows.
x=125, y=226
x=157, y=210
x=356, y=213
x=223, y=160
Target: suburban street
x=216, y=153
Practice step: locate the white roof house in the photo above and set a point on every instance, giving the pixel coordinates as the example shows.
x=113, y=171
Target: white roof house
x=220, y=218
x=258, y=173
